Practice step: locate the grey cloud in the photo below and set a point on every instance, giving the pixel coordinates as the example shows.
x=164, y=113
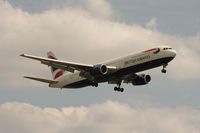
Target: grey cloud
x=106, y=117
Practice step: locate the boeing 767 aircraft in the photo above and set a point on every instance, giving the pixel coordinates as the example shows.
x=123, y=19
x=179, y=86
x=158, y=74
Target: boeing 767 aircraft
x=117, y=71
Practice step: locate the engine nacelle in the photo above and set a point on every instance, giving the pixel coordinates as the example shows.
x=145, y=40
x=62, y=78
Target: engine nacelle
x=99, y=70
x=141, y=79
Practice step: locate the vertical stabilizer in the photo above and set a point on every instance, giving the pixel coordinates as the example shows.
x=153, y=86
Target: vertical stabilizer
x=56, y=72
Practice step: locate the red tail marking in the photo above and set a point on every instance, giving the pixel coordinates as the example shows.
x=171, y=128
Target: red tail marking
x=51, y=57
x=58, y=74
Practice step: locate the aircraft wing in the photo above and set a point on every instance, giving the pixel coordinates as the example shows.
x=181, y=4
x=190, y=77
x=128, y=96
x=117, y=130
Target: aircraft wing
x=42, y=80
x=68, y=66
x=126, y=79
x=59, y=63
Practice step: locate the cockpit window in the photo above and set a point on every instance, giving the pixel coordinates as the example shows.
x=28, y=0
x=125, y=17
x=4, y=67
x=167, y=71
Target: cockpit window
x=166, y=48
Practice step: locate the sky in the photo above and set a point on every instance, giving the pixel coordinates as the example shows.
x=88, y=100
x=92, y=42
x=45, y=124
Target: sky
x=92, y=31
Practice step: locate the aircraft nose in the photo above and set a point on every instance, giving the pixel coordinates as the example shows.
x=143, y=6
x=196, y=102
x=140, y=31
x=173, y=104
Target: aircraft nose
x=173, y=53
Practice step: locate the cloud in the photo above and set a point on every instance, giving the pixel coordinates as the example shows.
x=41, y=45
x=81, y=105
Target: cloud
x=100, y=8
x=152, y=24
x=81, y=35
x=106, y=117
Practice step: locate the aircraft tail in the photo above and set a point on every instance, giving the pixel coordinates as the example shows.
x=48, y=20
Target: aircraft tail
x=56, y=72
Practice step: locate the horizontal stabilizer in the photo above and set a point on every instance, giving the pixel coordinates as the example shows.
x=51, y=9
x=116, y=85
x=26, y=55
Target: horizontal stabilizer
x=42, y=80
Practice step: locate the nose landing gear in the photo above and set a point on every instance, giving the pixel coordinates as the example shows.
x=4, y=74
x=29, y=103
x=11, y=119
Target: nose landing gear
x=164, y=70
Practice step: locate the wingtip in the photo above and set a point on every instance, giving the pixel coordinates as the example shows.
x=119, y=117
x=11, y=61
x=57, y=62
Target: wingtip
x=26, y=77
x=21, y=55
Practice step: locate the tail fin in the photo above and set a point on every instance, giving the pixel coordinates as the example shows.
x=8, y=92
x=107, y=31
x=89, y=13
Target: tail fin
x=56, y=72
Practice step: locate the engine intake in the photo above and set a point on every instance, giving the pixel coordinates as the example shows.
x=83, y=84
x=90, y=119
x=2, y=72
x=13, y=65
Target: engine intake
x=141, y=79
x=99, y=70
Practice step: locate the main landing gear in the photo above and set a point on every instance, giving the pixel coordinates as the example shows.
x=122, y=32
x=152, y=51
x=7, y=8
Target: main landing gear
x=119, y=89
x=164, y=70
x=94, y=84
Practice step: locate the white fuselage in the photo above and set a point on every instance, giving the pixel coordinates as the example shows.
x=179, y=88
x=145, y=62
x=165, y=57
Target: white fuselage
x=125, y=65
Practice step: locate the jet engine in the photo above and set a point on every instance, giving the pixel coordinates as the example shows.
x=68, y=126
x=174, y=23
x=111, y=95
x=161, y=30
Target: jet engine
x=99, y=70
x=141, y=79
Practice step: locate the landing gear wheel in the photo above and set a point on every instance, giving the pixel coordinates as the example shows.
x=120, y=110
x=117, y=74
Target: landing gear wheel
x=163, y=71
x=96, y=84
x=119, y=89
x=93, y=84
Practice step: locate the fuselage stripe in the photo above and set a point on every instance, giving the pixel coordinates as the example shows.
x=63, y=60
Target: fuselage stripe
x=153, y=49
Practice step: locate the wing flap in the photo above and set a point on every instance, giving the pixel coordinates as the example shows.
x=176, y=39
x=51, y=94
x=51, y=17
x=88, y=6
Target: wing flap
x=42, y=80
x=128, y=78
x=66, y=68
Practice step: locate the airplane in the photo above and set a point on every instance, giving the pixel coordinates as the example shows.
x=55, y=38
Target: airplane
x=117, y=71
